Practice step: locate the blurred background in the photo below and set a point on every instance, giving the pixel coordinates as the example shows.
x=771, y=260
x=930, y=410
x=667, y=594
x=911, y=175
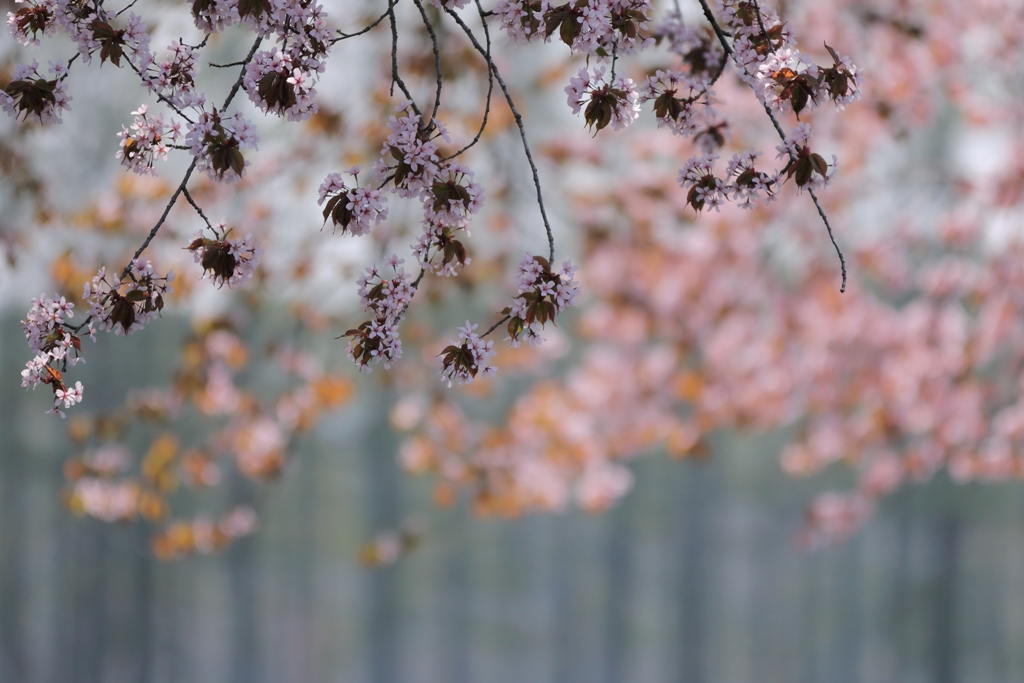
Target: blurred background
x=355, y=573
x=694, y=577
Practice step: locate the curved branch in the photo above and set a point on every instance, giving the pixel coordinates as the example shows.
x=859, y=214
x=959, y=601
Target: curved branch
x=437, y=60
x=343, y=36
x=490, y=89
x=778, y=128
x=396, y=79
x=519, y=122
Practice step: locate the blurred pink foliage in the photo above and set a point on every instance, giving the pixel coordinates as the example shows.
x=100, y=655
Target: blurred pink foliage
x=712, y=296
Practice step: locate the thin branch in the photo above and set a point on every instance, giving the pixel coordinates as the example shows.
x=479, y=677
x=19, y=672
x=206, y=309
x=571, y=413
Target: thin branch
x=764, y=31
x=343, y=36
x=490, y=90
x=159, y=96
x=437, y=59
x=718, y=29
x=495, y=326
x=519, y=122
x=202, y=44
x=721, y=70
x=396, y=79
x=241, y=74
x=778, y=128
x=225, y=66
x=188, y=197
x=163, y=216
x=126, y=8
x=191, y=167
x=415, y=285
x=828, y=226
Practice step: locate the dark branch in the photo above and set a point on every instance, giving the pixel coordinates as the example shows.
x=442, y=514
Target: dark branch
x=195, y=206
x=241, y=74
x=495, y=326
x=778, y=127
x=437, y=59
x=160, y=97
x=490, y=90
x=519, y=122
x=343, y=36
x=396, y=79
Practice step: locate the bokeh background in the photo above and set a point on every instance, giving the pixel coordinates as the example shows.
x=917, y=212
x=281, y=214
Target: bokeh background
x=695, y=577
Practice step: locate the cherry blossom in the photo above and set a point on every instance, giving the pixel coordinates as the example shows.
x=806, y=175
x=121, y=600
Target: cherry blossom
x=217, y=143
x=126, y=304
x=355, y=209
x=229, y=261
x=145, y=143
x=614, y=103
x=467, y=357
x=29, y=95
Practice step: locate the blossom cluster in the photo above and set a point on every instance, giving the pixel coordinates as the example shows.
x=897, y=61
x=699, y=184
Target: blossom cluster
x=411, y=148
x=146, y=141
x=411, y=166
x=807, y=169
x=784, y=78
x=356, y=209
x=698, y=48
x=543, y=294
x=92, y=32
x=453, y=197
x=598, y=28
x=32, y=19
x=229, y=261
x=299, y=27
x=48, y=336
x=30, y=95
x=614, y=102
x=217, y=141
x=742, y=181
x=377, y=340
x=174, y=80
x=276, y=85
x=464, y=359
x=676, y=98
x=125, y=304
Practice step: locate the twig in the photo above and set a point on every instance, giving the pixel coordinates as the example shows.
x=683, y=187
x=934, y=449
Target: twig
x=778, y=127
x=437, y=59
x=344, y=36
x=824, y=218
x=396, y=79
x=163, y=216
x=195, y=206
x=495, y=326
x=241, y=74
x=519, y=122
x=202, y=44
x=415, y=286
x=191, y=167
x=718, y=29
x=490, y=90
x=126, y=8
x=760, y=23
x=159, y=96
